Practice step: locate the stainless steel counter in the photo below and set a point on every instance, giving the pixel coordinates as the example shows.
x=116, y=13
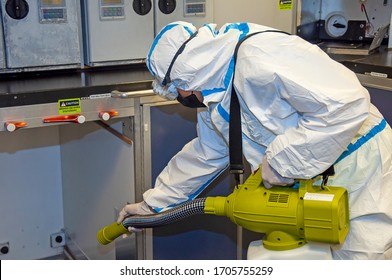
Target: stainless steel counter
x=47, y=87
x=33, y=100
x=375, y=82
x=373, y=70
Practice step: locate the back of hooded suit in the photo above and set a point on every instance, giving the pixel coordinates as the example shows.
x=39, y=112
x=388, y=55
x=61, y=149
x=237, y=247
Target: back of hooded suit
x=300, y=110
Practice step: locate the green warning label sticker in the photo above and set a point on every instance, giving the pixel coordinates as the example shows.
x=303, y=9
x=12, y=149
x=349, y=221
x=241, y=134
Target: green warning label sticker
x=285, y=4
x=69, y=106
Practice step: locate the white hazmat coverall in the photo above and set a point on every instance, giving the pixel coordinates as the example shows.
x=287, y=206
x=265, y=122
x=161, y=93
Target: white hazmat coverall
x=299, y=108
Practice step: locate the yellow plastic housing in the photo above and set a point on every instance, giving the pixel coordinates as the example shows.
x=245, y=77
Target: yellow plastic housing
x=326, y=214
x=289, y=217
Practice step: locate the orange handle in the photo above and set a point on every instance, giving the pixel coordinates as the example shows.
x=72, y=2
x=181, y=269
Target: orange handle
x=66, y=118
x=12, y=126
x=106, y=115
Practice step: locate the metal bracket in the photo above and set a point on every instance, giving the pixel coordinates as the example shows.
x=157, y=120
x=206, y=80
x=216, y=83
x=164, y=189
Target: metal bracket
x=122, y=137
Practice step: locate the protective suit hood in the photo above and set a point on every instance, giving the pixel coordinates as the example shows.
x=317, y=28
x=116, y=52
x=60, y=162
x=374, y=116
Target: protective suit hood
x=162, y=52
x=205, y=65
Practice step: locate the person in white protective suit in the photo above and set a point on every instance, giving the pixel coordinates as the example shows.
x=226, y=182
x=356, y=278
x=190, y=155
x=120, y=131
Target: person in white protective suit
x=301, y=111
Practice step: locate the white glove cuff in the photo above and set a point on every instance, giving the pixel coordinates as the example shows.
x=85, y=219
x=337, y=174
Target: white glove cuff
x=271, y=177
x=140, y=208
x=168, y=92
x=145, y=208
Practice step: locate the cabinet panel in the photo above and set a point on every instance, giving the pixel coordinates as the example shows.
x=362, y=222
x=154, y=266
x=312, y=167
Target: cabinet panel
x=98, y=180
x=171, y=126
x=30, y=192
x=38, y=34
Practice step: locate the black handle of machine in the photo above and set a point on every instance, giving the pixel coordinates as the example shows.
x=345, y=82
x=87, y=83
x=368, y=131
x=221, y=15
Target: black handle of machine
x=339, y=25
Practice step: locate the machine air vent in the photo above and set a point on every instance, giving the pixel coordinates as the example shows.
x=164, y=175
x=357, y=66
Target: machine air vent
x=278, y=198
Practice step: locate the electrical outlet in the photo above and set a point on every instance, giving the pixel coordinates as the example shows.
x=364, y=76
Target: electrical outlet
x=4, y=248
x=57, y=239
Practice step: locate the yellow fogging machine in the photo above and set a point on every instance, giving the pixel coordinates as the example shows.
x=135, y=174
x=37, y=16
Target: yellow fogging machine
x=289, y=217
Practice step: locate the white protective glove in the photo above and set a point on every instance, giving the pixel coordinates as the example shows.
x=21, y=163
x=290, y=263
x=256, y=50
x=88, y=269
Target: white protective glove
x=168, y=92
x=271, y=177
x=140, y=208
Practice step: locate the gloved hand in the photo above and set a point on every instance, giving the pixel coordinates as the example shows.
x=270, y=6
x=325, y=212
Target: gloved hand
x=271, y=177
x=168, y=92
x=140, y=208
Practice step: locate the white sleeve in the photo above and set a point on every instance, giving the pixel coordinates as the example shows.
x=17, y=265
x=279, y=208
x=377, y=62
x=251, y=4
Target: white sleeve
x=190, y=170
x=311, y=103
x=331, y=105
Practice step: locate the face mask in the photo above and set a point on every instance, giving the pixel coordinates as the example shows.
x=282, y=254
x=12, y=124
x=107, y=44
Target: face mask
x=190, y=101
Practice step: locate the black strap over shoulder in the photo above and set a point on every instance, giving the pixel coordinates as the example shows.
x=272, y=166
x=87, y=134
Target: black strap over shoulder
x=235, y=132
